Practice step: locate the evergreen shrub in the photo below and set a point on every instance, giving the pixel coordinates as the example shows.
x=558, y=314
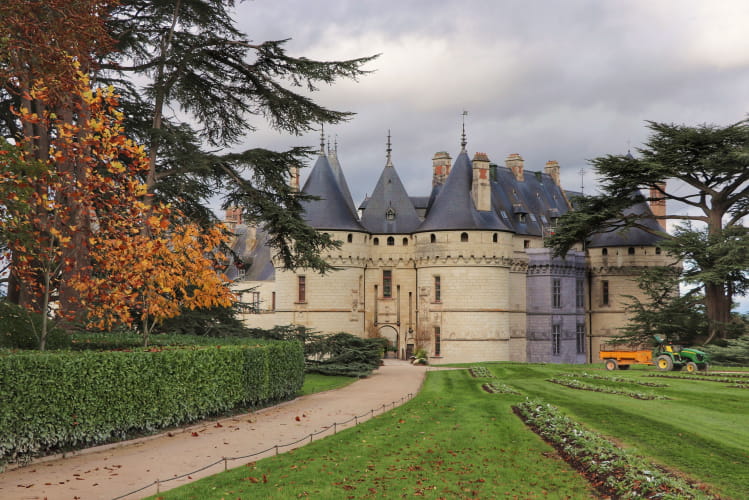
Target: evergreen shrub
x=65, y=400
x=20, y=329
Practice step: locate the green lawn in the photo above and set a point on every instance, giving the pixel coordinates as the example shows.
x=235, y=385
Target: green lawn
x=456, y=441
x=314, y=382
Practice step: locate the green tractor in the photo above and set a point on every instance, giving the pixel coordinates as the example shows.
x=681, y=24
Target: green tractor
x=669, y=357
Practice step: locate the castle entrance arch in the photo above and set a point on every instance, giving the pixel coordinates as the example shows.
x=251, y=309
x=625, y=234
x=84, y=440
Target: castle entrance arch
x=391, y=334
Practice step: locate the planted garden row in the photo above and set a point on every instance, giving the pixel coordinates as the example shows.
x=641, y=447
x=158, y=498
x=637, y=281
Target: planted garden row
x=498, y=388
x=613, y=379
x=610, y=469
x=719, y=379
x=582, y=386
x=480, y=372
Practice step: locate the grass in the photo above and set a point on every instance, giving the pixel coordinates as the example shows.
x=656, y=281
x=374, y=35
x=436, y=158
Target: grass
x=454, y=440
x=314, y=382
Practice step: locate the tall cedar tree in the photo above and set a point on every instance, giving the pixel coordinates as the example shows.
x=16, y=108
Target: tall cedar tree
x=705, y=168
x=193, y=58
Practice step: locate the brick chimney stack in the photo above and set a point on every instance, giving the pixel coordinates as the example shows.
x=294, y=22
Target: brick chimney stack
x=233, y=216
x=552, y=169
x=481, y=190
x=515, y=163
x=658, y=202
x=441, y=167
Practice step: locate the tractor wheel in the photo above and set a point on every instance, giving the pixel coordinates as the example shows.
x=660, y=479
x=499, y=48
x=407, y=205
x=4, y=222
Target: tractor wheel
x=664, y=363
x=611, y=365
x=691, y=367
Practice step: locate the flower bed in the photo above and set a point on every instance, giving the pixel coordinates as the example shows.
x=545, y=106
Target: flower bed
x=610, y=469
x=612, y=379
x=582, y=386
x=736, y=382
x=480, y=372
x=498, y=388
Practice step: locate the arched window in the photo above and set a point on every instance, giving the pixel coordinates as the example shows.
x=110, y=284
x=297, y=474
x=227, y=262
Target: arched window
x=391, y=241
x=605, y=251
x=433, y=238
x=405, y=242
x=631, y=251
x=464, y=237
x=494, y=237
x=390, y=214
x=350, y=238
x=376, y=241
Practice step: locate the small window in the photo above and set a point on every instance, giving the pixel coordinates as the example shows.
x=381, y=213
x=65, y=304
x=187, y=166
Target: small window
x=433, y=238
x=544, y=219
x=350, y=238
x=605, y=251
x=437, y=289
x=376, y=241
x=657, y=250
x=302, y=289
x=387, y=283
x=255, y=302
x=503, y=214
x=556, y=340
x=391, y=241
x=390, y=214
x=521, y=218
x=437, y=341
x=464, y=237
x=526, y=243
x=580, y=336
x=405, y=242
x=631, y=251
x=579, y=293
x=533, y=217
x=495, y=236
x=605, y=292
x=273, y=301
x=556, y=293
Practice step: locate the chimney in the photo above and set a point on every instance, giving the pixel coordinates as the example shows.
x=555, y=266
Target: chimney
x=552, y=169
x=515, y=163
x=441, y=167
x=294, y=178
x=480, y=190
x=658, y=202
x=233, y=217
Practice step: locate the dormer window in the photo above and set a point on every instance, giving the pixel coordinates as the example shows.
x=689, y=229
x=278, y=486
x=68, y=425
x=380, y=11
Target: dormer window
x=521, y=218
x=390, y=214
x=504, y=214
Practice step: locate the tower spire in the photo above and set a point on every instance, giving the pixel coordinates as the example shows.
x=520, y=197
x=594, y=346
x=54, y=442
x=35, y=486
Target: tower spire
x=322, y=139
x=389, y=150
x=463, y=140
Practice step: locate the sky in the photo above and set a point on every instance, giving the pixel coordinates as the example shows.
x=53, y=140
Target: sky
x=566, y=81
x=551, y=80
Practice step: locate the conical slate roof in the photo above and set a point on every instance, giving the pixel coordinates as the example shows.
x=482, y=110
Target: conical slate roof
x=453, y=207
x=628, y=237
x=331, y=211
x=389, y=209
x=342, y=184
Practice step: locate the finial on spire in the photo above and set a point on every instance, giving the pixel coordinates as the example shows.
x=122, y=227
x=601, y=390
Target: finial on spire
x=463, y=140
x=389, y=150
x=322, y=139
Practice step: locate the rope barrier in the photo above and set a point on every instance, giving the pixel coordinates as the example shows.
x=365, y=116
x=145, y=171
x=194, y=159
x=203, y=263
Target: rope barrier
x=225, y=460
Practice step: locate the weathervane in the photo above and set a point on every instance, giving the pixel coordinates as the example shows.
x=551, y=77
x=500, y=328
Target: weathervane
x=463, y=141
x=389, y=150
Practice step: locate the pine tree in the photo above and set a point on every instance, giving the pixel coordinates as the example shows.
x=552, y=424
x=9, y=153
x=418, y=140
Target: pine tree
x=706, y=169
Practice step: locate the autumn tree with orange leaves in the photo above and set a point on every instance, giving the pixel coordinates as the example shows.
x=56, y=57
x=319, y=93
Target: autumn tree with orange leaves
x=141, y=265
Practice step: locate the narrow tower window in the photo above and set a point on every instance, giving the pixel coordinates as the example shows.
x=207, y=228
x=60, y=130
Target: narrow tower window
x=437, y=341
x=387, y=283
x=605, y=292
x=391, y=241
x=463, y=237
x=556, y=340
x=433, y=238
x=302, y=288
x=437, y=289
x=556, y=293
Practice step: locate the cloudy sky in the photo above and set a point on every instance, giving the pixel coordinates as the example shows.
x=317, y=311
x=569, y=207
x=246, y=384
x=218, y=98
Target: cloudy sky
x=551, y=80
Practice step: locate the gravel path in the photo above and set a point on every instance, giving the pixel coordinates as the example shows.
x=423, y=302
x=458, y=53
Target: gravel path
x=111, y=471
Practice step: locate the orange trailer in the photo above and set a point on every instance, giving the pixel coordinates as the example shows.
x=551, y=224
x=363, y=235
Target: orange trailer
x=622, y=359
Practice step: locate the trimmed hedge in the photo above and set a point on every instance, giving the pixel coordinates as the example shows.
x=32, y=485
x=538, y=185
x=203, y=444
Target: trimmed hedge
x=57, y=401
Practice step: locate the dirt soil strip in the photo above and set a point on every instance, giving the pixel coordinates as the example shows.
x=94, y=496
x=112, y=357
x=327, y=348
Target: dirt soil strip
x=109, y=471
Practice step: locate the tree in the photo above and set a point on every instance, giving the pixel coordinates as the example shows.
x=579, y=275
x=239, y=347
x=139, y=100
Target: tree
x=705, y=169
x=191, y=56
